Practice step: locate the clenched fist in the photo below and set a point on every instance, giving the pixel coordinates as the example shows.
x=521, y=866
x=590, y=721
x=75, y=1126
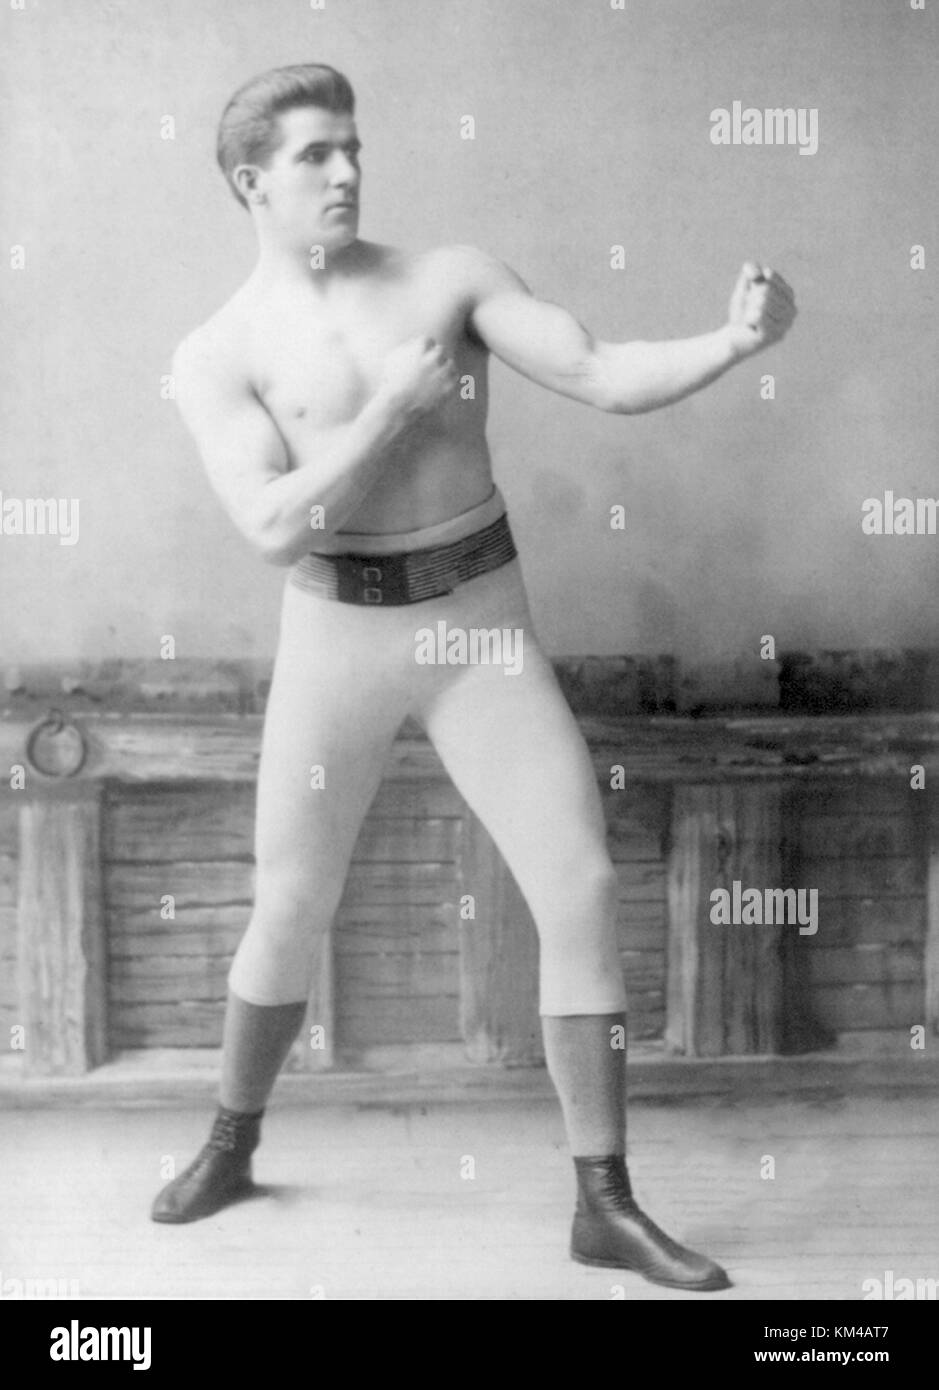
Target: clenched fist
x=418, y=375
x=762, y=308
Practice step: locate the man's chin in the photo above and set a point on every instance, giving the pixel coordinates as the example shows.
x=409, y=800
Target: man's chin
x=338, y=238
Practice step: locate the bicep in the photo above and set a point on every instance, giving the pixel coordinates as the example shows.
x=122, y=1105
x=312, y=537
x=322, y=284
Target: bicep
x=239, y=444
x=541, y=340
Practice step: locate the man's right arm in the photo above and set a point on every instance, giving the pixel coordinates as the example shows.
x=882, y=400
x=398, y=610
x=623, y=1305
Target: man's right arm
x=246, y=459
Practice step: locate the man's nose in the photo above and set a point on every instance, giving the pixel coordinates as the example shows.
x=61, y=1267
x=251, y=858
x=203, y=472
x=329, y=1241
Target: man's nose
x=343, y=170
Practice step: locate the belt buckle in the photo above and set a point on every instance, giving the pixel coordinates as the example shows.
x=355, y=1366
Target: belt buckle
x=371, y=579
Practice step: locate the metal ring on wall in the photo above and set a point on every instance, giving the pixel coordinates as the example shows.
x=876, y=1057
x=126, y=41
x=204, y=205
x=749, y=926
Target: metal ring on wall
x=65, y=741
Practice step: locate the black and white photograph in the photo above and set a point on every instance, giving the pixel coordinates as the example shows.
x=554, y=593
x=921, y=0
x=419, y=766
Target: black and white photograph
x=469, y=725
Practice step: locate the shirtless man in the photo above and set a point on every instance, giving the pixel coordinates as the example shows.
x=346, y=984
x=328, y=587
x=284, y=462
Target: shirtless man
x=328, y=402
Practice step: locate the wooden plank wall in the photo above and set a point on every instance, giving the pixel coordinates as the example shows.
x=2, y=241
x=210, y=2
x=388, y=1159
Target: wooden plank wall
x=862, y=845
x=396, y=944
x=397, y=938
x=726, y=984
x=637, y=823
x=167, y=975
x=397, y=933
x=9, y=842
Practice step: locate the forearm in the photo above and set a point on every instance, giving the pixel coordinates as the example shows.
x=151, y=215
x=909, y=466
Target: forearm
x=334, y=474
x=635, y=377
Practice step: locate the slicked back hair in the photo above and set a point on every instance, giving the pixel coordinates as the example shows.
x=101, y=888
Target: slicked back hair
x=249, y=131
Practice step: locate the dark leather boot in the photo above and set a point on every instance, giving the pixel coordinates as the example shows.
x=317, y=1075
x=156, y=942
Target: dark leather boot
x=219, y=1175
x=610, y=1230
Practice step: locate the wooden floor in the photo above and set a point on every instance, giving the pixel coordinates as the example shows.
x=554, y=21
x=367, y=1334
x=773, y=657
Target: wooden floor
x=369, y=1202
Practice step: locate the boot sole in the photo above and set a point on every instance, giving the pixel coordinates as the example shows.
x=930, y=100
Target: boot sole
x=239, y=1194
x=706, y=1286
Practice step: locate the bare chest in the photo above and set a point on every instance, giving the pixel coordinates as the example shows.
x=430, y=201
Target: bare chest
x=316, y=365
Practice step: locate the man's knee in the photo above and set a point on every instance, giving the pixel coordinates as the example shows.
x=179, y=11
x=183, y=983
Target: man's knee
x=593, y=882
x=602, y=877
x=580, y=969
x=276, y=958
x=575, y=902
x=289, y=904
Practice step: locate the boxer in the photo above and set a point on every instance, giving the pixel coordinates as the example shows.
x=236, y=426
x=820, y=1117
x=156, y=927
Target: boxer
x=328, y=400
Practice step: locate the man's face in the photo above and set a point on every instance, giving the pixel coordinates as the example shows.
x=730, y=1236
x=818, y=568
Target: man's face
x=312, y=181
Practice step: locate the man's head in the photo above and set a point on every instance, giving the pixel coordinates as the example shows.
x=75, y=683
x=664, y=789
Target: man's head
x=288, y=147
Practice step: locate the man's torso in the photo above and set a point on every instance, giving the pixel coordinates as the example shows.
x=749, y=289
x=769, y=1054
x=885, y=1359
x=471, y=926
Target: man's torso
x=314, y=360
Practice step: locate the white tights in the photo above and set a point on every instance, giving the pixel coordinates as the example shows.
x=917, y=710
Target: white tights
x=344, y=679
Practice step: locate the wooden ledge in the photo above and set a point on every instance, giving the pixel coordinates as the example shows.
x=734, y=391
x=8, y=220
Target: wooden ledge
x=866, y=679
x=188, y=747
x=168, y=1077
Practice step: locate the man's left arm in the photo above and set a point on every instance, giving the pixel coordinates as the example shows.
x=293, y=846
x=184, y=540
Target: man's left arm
x=545, y=343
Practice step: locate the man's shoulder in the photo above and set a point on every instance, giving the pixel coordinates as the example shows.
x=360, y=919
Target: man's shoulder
x=460, y=256
x=213, y=342
x=467, y=271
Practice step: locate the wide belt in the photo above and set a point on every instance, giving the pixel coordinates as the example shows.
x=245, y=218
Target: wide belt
x=407, y=576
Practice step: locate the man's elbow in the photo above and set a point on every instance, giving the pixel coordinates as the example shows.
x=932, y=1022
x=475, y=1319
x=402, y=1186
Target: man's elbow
x=596, y=385
x=633, y=407
x=608, y=391
x=274, y=554
x=270, y=543
x=613, y=403
x=275, y=548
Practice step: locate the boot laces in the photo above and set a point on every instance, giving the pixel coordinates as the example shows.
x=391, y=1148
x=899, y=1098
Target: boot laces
x=229, y=1132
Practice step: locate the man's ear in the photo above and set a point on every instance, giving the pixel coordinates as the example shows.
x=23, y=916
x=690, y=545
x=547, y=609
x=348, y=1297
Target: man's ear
x=246, y=178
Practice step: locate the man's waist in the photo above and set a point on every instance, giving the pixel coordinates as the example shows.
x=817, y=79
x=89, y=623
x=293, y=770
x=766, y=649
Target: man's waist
x=453, y=528
x=370, y=576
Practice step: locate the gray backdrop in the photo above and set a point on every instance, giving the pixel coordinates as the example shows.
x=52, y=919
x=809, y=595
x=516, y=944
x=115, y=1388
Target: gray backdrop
x=592, y=130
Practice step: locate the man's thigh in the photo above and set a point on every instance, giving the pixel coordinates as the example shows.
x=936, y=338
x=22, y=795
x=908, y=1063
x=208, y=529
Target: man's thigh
x=335, y=704
x=515, y=751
